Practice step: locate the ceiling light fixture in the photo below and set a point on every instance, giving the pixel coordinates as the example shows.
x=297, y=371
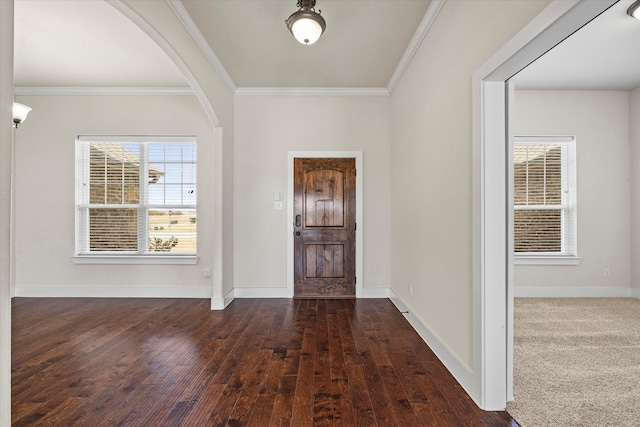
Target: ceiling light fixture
x=306, y=25
x=20, y=112
x=634, y=10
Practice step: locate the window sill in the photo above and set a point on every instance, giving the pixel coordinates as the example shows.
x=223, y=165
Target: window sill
x=135, y=259
x=546, y=260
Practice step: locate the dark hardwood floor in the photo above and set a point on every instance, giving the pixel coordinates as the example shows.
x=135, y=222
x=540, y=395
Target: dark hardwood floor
x=260, y=362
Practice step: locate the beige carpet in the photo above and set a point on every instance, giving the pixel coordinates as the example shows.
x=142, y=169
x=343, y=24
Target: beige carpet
x=576, y=362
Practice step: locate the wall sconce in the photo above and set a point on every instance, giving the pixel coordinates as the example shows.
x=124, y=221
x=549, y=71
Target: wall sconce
x=20, y=112
x=306, y=25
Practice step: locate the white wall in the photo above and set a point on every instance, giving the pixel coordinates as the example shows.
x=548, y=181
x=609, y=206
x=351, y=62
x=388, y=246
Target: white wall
x=431, y=168
x=600, y=122
x=634, y=143
x=266, y=128
x=44, y=191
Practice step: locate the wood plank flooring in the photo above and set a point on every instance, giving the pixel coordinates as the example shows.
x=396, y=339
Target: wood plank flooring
x=259, y=362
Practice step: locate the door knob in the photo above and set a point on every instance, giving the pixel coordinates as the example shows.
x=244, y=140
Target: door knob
x=298, y=220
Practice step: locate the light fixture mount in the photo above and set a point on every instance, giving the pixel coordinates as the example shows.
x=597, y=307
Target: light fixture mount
x=306, y=24
x=634, y=10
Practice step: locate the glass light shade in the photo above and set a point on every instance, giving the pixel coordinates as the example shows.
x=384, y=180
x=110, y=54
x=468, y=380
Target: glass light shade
x=306, y=26
x=20, y=112
x=306, y=31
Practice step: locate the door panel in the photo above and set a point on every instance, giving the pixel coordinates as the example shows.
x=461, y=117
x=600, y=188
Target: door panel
x=324, y=198
x=325, y=261
x=324, y=228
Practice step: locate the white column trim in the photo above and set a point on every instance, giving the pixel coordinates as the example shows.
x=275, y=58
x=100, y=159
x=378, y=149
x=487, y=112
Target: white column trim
x=7, y=255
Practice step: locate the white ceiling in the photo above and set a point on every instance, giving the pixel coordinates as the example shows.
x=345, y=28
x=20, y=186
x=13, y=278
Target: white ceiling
x=88, y=43
x=85, y=43
x=604, y=54
x=361, y=47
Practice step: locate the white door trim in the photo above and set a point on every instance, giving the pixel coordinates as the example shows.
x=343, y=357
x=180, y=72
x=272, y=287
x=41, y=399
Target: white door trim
x=359, y=204
x=491, y=367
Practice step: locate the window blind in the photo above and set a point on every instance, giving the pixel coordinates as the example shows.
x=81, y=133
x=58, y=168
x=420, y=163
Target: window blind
x=136, y=195
x=544, y=195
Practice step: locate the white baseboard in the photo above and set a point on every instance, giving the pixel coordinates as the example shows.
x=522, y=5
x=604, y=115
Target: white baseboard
x=217, y=304
x=169, y=292
x=570, y=292
x=375, y=292
x=229, y=297
x=112, y=292
x=460, y=372
x=259, y=292
x=222, y=303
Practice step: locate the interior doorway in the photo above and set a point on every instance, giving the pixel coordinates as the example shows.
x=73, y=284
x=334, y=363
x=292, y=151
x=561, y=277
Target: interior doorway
x=492, y=278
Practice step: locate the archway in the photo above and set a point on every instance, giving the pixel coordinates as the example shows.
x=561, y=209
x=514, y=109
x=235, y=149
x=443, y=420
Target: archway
x=205, y=97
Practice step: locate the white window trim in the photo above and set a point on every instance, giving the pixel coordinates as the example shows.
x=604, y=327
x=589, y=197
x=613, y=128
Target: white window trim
x=123, y=258
x=551, y=259
x=569, y=256
x=135, y=259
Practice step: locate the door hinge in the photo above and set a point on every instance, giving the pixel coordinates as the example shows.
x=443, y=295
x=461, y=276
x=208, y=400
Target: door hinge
x=355, y=226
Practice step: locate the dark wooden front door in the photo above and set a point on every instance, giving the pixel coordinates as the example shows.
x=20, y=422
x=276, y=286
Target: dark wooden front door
x=324, y=227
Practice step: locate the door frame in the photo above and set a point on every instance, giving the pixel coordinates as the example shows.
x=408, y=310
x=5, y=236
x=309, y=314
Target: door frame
x=359, y=217
x=492, y=261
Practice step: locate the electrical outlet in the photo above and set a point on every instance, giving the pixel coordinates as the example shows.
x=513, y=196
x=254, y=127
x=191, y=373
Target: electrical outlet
x=607, y=272
x=206, y=272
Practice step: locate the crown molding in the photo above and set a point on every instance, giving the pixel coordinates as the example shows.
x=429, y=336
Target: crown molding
x=74, y=91
x=421, y=32
x=178, y=8
x=311, y=91
x=425, y=25
x=241, y=91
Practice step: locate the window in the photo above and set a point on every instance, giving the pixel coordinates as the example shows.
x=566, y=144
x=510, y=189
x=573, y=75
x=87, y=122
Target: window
x=544, y=197
x=119, y=213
